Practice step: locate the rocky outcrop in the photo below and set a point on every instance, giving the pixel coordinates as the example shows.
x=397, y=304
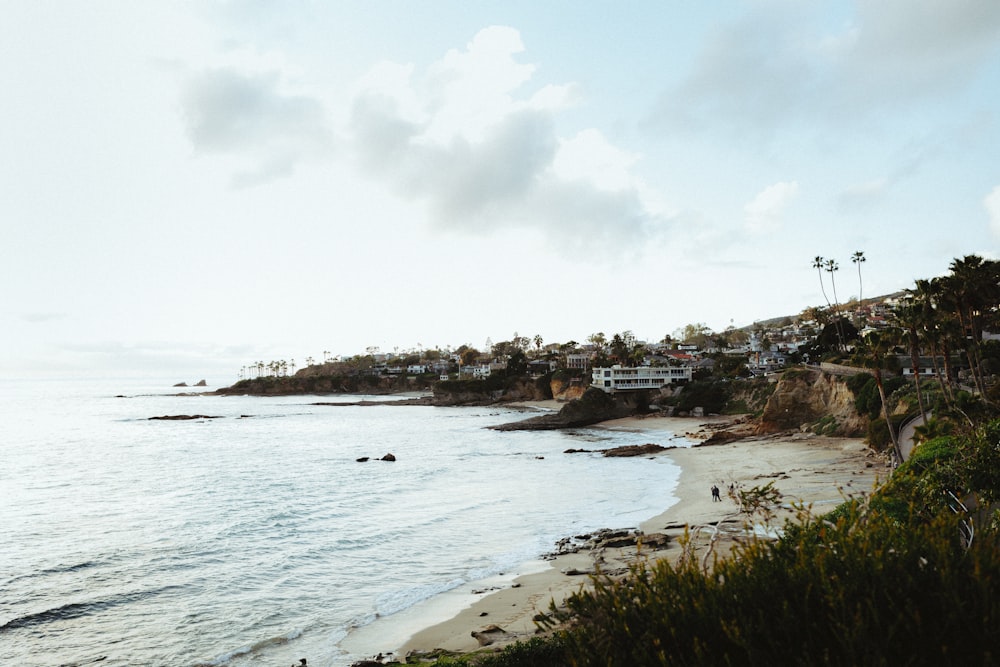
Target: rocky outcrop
x=183, y=417
x=593, y=407
x=567, y=388
x=488, y=635
x=811, y=400
x=624, y=451
x=314, y=383
x=489, y=392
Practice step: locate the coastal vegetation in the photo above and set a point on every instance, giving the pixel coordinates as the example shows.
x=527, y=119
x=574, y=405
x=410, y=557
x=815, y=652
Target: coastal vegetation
x=906, y=574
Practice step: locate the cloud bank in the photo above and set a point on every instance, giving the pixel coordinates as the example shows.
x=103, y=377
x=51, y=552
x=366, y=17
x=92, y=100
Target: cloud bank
x=472, y=142
x=471, y=137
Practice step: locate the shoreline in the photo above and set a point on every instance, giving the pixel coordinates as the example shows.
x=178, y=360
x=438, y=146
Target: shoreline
x=815, y=471
x=818, y=472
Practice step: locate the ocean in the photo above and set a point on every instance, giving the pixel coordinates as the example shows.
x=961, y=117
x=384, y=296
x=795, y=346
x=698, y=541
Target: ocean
x=257, y=538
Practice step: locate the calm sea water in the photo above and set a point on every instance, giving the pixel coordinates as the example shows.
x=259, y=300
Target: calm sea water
x=257, y=538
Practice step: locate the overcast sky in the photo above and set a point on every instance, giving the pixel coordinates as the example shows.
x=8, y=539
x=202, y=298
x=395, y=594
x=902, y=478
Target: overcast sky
x=187, y=187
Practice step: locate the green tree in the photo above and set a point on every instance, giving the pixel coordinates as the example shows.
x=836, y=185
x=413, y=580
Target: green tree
x=598, y=340
x=517, y=363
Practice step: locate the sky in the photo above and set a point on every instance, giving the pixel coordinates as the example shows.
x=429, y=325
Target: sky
x=190, y=187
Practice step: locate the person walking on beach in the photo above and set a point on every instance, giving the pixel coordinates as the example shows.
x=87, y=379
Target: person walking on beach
x=715, y=494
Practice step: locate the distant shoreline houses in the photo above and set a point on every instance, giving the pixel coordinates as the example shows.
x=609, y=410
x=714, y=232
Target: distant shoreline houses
x=627, y=364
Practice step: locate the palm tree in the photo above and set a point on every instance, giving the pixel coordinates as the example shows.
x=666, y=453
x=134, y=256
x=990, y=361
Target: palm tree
x=910, y=317
x=831, y=266
x=971, y=290
x=859, y=258
x=870, y=352
x=818, y=264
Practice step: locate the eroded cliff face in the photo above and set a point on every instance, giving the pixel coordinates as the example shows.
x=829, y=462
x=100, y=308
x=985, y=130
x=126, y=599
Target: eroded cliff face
x=567, y=389
x=810, y=400
x=480, y=393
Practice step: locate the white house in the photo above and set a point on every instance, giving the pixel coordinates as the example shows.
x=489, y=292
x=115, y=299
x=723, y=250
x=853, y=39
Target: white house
x=481, y=371
x=618, y=378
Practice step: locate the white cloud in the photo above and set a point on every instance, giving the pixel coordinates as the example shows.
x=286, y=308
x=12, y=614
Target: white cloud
x=992, y=204
x=480, y=156
x=249, y=115
x=785, y=62
x=589, y=156
x=765, y=213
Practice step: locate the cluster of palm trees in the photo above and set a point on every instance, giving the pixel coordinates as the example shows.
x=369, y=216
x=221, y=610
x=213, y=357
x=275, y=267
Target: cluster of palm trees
x=270, y=369
x=948, y=315
x=823, y=264
x=943, y=318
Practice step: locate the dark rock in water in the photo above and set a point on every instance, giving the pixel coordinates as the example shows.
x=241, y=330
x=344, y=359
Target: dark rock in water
x=181, y=384
x=634, y=450
x=362, y=459
x=488, y=635
x=388, y=457
x=201, y=383
x=184, y=417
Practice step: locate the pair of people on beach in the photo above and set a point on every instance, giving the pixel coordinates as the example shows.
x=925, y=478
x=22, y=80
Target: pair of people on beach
x=715, y=494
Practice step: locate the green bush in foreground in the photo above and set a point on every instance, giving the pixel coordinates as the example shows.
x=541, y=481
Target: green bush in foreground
x=886, y=580
x=863, y=590
x=536, y=652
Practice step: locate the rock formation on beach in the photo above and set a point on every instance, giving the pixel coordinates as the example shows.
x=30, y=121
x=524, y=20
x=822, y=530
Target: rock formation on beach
x=593, y=407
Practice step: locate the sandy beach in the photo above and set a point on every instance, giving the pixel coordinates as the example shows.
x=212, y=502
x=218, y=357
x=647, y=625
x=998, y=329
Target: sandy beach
x=810, y=470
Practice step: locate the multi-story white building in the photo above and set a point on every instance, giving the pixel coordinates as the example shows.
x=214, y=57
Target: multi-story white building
x=618, y=378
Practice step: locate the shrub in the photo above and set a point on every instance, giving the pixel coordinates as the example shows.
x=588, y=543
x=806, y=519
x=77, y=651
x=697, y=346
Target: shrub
x=866, y=589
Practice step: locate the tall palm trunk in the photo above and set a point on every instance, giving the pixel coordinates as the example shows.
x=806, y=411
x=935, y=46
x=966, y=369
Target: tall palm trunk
x=938, y=373
x=897, y=452
x=831, y=266
x=970, y=346
x=915, y=365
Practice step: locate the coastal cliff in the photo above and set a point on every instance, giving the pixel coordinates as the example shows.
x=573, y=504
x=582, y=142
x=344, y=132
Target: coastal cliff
x=810, y=400
x=593, y=407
